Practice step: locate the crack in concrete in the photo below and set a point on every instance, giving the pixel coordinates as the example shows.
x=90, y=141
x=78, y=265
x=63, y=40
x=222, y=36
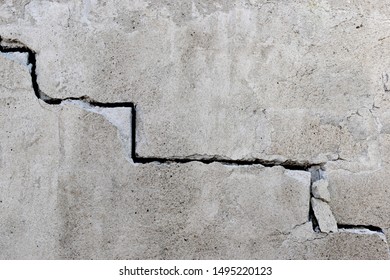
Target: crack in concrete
x=14, y=46
x=361, y=229
x=316, y=174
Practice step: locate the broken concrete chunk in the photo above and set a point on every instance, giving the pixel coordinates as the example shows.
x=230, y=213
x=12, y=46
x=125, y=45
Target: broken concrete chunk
x=320, y=190
x=325, y=218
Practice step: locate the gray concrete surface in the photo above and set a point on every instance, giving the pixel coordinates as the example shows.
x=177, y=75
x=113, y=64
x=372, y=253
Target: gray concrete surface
x=193, y=129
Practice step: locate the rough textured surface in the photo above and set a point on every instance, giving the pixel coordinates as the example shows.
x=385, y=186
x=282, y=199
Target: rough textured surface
x=189, y=129
x=361, y=198
x=304, y=244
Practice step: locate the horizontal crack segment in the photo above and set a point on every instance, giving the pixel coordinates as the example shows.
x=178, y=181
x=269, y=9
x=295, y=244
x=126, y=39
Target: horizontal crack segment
x=360, y=228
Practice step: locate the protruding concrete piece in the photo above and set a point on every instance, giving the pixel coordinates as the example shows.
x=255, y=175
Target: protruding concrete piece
x=323, y=213
x=319, y=189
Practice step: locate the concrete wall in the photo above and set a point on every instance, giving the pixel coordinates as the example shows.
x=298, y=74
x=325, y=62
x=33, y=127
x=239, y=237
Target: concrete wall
x=194, y=129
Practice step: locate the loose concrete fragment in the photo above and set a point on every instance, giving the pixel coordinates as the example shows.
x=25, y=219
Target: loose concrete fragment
x=326, y=221
x=320, y=190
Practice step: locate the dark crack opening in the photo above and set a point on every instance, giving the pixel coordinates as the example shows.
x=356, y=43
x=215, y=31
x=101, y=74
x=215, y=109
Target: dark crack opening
x=368, y=227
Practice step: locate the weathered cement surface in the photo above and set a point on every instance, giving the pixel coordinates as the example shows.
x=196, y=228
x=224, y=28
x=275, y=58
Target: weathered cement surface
x=302, y=82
